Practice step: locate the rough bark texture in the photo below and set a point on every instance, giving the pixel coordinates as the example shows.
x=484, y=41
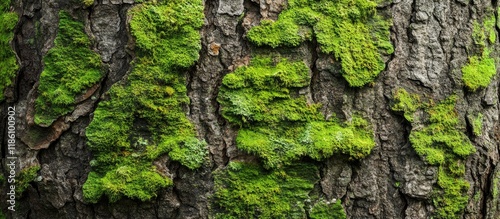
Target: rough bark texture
x=432, y=41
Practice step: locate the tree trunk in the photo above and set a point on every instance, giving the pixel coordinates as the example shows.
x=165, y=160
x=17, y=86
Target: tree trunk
x=433, y=41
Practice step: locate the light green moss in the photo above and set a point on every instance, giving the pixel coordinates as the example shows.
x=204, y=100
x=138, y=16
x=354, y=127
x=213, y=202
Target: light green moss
x=130, y=180
x=480, y=70
x=144, y=116
x=71, y=68
x=8, y=61
x=327, y=210
x=451, y=199
x=489, y=28
x=442, y=142
x=477, y=74
x=477, y=125
x=88, y=3
x=261, y=92
x=350, y=30
x=246, y=190
x=496, y=185
x=478, y=34
x=25, y=177
x=280, y=126
x=406, y=103
x=442, y=136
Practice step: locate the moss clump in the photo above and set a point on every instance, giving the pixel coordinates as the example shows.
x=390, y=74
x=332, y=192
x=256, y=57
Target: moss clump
x=477, y=74
x=477, y=125
x=442, y=136
x=478, y=34
x=24, y=178
x=8, y=61
x=144, y=116
x=131, y=180
x=247, y=191
x=279, y=125
x=261, y=92
x=279, y=144
x=442, y=142
x=480, y=69
x=489, y=28
x=350, y=30
x=327, y=210
x=406, y=103
x=451, y=199
x=71, y=68
x=87, y=3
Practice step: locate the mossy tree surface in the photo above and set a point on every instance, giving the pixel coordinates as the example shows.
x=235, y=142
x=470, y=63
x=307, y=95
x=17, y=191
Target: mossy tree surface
x=71, y=68
x=477, y=74
x=8, y=61
x=442, y=142
x=480, y=70
x=350, y=30
x=25, y=177
x=246, y=190
x=278, y=124
x=144, y=116
x=406, y=103
x=477, y=125
x=327, y=210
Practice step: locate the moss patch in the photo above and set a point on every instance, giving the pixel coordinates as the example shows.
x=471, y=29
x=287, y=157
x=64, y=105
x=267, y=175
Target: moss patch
x=8, y=61
x=477, y=125
x=144, y=116
x=350, y=30
x=327, y=210
x=71, y=68
x=480, y=70
x=406, y=103
x=442, y=137
x=442, y=142
x=277, y=123
x=247, y=191
x=88, y=3
x=477, y=74
x=25, y=177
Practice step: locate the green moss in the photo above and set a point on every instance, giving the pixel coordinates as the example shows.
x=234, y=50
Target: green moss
x=261, y=92
x=406, y=103
x=478, y=34
x=25, y=177
x=350, y=30
x=71, y=68
x=477, y=74
x=480, y=69
x=442, y=142
x=442, y=136
x=477, y=196
x=280, y=126
x=88, y=3
x=144, y=116
x=489, y=28
x=8, y=61
x=451, y=199
x=327, y=210
x=131, y=180
x=247, y=191
x=477, y=125
x=397, y=184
